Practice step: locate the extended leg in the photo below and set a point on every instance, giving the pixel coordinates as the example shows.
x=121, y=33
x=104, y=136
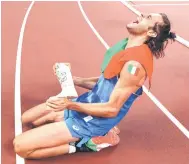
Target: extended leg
x=45, y=141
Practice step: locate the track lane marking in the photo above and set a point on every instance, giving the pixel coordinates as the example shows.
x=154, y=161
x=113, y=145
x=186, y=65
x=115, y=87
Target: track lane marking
x=161, y=4
x=17, y=91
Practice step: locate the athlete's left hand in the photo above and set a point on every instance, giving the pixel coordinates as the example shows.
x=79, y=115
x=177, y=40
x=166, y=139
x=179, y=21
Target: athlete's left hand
x=57, y=104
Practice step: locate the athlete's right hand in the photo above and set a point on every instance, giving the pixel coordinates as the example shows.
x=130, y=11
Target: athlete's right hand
x=57, y=104
x=49, y=99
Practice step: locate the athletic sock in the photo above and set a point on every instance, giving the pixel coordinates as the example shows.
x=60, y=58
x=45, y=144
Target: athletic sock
x=72, y=149
x=83, y=148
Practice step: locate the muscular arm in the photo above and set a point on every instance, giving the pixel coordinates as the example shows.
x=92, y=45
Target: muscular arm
x=126, y=85
x=87, y=83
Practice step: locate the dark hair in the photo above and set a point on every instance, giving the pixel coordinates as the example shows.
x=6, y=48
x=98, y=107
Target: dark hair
x=158, y=44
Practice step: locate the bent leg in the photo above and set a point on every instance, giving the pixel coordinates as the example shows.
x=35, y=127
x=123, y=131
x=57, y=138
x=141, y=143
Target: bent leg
x=35, y=113
x=35, y=140
x=49, y=152
x=49, y=118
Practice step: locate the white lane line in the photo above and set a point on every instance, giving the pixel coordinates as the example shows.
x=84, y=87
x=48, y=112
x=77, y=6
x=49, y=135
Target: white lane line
x=149, y=94
x=17, y=95
x=91, y=26
x=165, y=4
x=178, y=38
x=0, y=83
x=182, y=40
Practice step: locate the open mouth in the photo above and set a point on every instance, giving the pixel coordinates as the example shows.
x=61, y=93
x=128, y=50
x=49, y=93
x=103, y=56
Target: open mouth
x=136, y=22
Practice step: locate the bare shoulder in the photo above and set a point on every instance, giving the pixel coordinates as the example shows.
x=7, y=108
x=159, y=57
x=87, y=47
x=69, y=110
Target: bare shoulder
x=133, y=72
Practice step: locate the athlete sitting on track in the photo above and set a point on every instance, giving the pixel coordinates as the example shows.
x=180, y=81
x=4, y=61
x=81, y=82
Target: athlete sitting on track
x=127, y=65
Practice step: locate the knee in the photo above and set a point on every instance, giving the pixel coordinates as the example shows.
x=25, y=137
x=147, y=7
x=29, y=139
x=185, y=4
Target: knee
x=24, y=119
x=19, y=148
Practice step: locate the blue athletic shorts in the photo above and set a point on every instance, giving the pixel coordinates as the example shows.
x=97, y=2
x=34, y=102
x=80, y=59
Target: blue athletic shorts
x=75, y=129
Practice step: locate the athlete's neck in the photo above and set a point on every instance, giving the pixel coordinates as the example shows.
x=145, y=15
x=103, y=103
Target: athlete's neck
x=134, y=40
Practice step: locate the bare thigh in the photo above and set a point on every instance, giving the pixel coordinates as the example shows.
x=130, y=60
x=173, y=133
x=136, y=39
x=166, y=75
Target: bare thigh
x=46, y=136
x=41, y=114
x=49, y=118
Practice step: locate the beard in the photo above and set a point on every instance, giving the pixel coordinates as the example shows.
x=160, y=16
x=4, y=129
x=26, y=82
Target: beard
x=135, y=30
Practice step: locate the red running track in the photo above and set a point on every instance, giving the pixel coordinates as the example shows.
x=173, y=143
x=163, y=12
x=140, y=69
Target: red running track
x=57, y=32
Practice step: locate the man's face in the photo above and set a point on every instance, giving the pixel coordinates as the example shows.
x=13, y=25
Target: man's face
x=143, y=24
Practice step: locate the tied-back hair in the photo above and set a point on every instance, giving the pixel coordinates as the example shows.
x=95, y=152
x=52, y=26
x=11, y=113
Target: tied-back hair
x=158, y=44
